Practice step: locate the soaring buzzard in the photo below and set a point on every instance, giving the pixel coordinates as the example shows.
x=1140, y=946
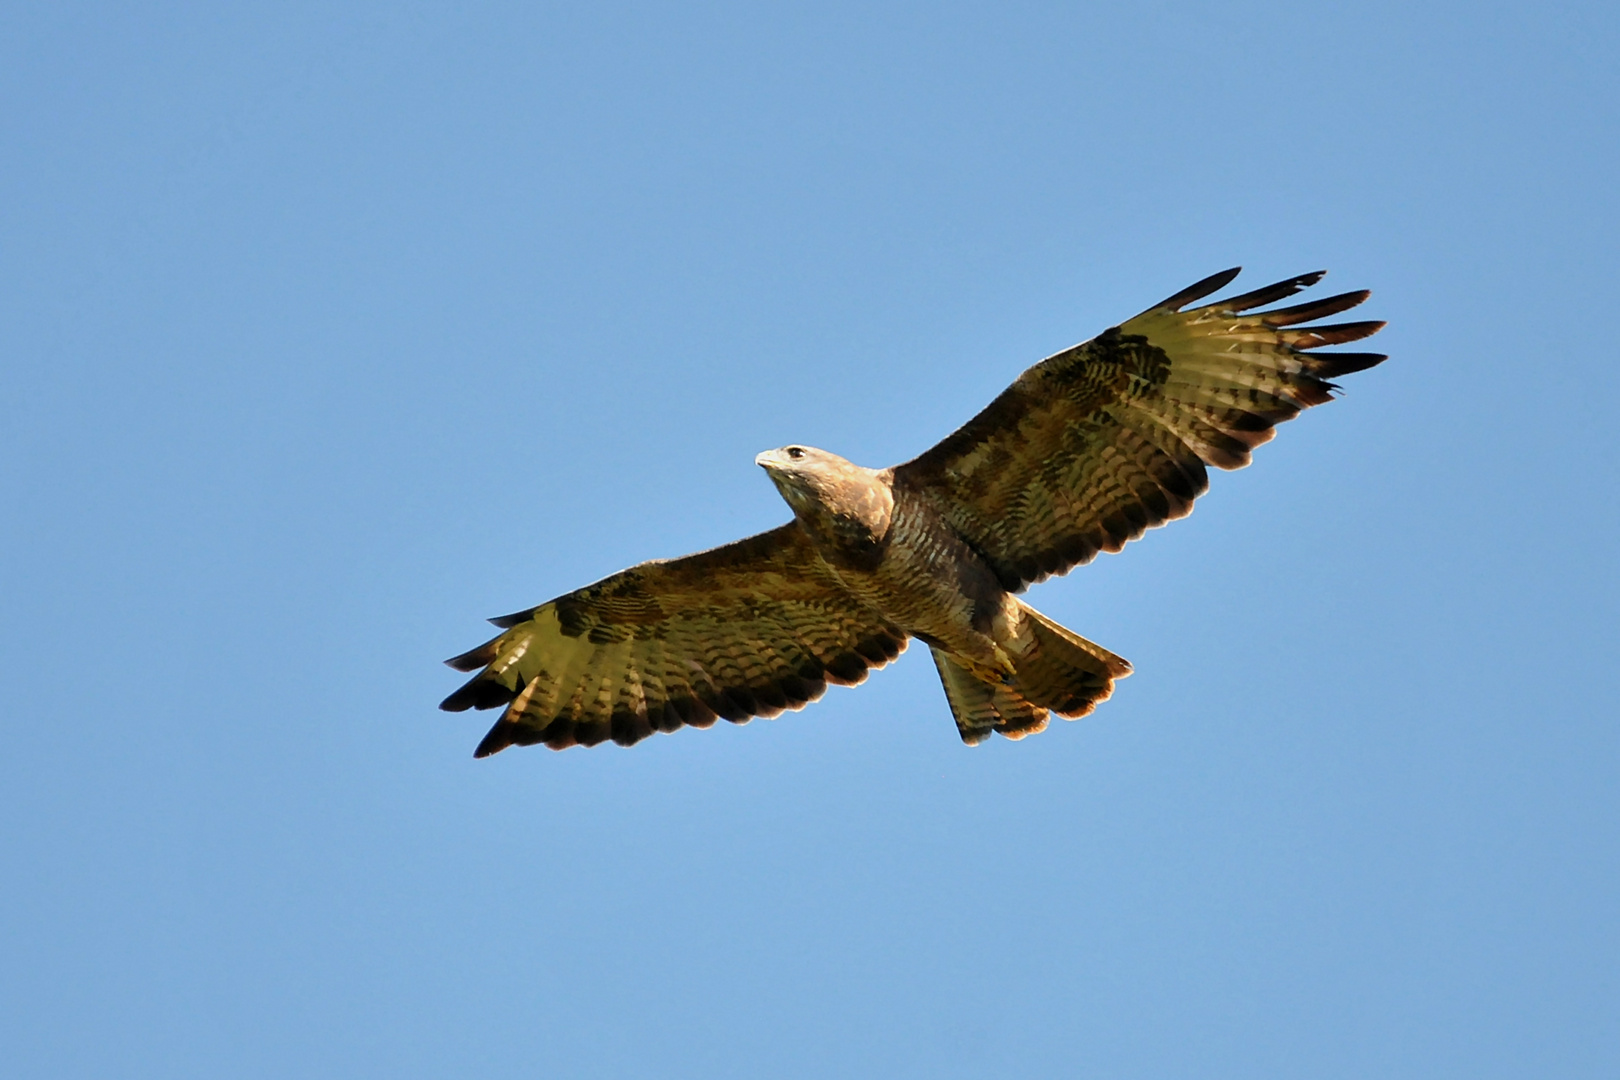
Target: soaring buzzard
x=1085, y=451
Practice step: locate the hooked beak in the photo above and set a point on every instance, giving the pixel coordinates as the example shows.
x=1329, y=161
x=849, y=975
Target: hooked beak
x=770, y=459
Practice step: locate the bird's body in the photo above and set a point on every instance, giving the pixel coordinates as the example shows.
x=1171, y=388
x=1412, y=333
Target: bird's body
x=1081, y=454
x=893, y=552
x=934, y=586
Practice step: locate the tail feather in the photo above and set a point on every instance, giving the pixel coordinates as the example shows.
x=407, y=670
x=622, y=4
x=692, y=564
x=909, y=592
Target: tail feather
x=1064, y=672
x=1060, y=672
x=982, y=707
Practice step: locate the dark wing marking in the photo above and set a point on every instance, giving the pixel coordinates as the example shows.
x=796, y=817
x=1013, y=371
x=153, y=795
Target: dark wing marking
x=1094, y=445
x=749, y=629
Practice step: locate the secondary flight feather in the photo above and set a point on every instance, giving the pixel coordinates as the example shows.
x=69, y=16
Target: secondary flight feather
x=1082, y=453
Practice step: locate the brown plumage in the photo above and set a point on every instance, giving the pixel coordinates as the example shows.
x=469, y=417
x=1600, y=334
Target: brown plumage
x=1081, y=454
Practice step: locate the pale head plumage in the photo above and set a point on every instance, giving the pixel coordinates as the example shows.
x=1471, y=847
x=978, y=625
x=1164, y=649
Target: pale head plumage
x=806, y=475
x=844, y=506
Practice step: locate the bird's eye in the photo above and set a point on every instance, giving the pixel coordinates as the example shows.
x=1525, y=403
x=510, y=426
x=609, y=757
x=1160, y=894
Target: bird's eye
x=795, y=452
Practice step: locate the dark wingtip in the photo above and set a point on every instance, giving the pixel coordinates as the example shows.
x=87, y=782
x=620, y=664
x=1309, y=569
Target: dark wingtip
x=479, y=692
x=1337, y=334
x=1332, y=365
x=506, y=622
x=1199, y=290
x=473, y=659
x=1315, y=309
x=1270, y=293
x=498, y=739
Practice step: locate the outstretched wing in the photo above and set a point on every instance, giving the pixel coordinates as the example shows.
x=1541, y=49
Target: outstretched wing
x=1094, y=445
x=748, y=629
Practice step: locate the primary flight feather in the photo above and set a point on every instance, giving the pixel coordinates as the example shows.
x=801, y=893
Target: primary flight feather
x=1081, y=454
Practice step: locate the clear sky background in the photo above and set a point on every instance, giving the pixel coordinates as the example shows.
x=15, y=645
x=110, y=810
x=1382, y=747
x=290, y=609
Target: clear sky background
x=325, y=334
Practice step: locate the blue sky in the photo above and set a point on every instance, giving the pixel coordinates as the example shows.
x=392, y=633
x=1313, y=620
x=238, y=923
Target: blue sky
x=326, y=334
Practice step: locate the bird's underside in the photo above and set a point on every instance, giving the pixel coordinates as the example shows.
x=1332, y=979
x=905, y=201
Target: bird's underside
x=1083, y=453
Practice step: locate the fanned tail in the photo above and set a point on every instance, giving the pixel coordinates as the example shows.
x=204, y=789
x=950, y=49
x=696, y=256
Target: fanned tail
x=982, y=707
x=1064, y=672
x=1059, y=672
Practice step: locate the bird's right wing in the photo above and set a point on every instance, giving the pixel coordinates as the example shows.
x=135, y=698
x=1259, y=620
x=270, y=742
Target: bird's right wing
x=749, y=629
x=1092, y=446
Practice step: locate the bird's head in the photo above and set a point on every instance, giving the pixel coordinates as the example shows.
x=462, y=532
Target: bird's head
x=817, y=484
x=803, y=473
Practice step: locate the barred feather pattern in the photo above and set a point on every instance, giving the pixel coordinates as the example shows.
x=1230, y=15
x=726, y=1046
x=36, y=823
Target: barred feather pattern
x=753, y=628
x=981, y=708
x=1096, y=444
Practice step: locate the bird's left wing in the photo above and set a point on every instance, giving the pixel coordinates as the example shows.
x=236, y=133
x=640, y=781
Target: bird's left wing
x=749, y=629
x=1092, y=446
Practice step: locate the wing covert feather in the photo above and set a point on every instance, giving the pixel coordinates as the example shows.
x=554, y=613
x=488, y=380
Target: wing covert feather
x=753, y=628
x=1102, y=441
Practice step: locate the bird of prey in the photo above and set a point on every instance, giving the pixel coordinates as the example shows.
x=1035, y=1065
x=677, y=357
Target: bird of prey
x=1085, y=451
